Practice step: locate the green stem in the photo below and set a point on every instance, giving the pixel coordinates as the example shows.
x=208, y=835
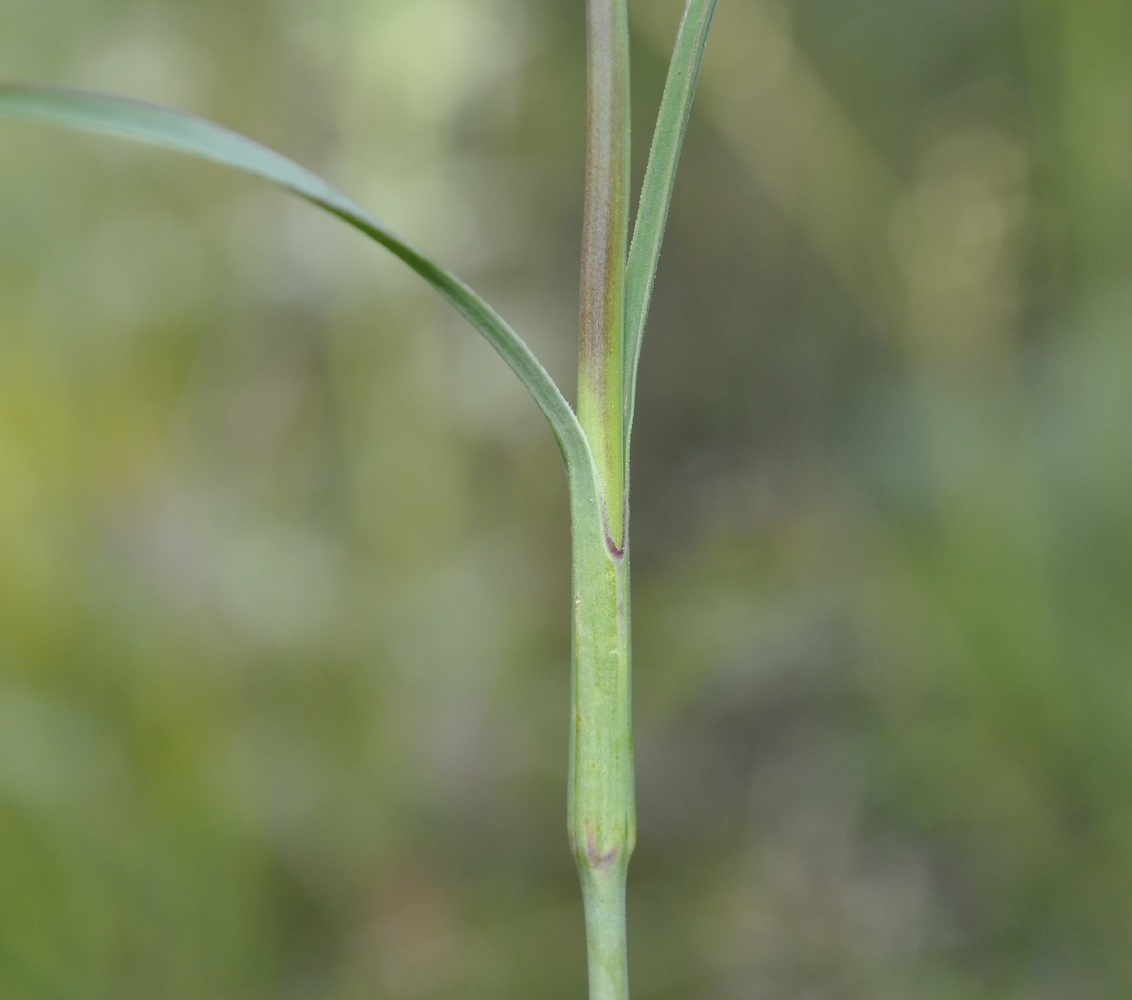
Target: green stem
x=605, y=237
x=604, y=896
x=602, y=820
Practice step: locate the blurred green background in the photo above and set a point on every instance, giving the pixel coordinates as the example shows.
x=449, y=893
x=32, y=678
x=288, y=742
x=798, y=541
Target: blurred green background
x=283, y=550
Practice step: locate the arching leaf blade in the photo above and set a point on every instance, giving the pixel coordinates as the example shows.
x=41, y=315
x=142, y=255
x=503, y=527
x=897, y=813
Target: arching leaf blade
x=206, y=140
x=656, y=190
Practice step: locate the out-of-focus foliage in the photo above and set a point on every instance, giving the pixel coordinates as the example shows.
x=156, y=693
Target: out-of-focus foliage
x=882, y=511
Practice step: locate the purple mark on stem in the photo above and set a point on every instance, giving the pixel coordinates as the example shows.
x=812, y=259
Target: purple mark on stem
x=615, y=550
x=599, y=859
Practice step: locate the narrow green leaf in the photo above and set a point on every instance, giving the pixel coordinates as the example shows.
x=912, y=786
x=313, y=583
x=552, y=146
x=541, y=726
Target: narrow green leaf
x=197, y=137
x=656, y=191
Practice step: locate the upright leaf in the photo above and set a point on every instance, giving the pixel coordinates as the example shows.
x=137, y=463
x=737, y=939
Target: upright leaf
x=656, y=191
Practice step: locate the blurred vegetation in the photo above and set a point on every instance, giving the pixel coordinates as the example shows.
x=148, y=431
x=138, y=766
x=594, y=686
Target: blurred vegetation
x=882, y=511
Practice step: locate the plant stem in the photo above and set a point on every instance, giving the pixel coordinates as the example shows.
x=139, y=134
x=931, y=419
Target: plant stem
x=605, y=237
x=602, y=820
x=604, y=896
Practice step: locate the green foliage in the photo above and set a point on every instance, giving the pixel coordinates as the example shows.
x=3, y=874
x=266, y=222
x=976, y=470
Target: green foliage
x=593, y=445
x=656, y=192
x=881, y=525
x=188, y=134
